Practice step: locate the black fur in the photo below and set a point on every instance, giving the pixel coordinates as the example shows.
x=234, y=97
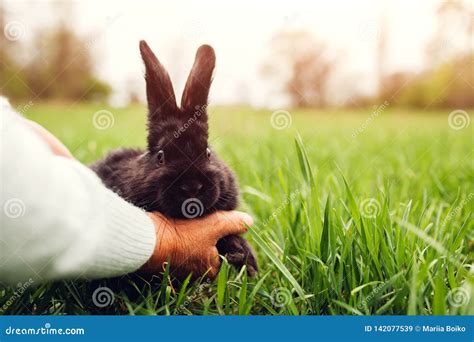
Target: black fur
x=177, y=164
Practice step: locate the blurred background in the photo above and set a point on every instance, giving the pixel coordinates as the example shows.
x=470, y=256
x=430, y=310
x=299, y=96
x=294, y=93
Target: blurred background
x=273, y=55
x=367, y=103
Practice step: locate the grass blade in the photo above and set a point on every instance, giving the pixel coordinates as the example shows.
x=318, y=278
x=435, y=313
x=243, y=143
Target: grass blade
x=276, y=261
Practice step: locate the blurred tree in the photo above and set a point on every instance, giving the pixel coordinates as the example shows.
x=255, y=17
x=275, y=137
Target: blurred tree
x=449, y=76
x=448, y=85
x=10, y=71
x=60, y=67
x=305, y=66
x=454, y=33
x=384, y=88
x=391, y=84
x=63, y=68
x=132, y=85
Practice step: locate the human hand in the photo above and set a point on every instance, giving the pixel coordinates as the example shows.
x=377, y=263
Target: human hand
x=56, y=146
x=190, y=245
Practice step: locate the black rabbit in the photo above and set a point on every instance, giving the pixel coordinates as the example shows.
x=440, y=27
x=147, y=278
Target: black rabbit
x=178, y=175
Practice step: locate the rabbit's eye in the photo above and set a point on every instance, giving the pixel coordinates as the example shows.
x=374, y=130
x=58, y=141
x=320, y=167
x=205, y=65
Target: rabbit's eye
x=161, y=157
x=208, y=153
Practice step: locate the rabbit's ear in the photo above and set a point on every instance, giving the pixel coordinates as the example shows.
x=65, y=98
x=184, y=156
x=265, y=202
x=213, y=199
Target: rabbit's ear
x=199, y=81
x=159, y=90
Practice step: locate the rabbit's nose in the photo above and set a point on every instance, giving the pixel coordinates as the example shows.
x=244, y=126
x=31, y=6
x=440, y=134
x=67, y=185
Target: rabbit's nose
x=191, y=189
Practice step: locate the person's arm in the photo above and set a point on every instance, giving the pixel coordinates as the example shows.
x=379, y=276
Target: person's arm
x=59, y=221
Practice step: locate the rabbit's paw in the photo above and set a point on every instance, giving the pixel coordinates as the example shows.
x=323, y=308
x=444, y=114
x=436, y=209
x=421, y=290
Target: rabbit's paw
x=238, y=252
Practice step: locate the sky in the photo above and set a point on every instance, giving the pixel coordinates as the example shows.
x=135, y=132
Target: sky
x=240, y=32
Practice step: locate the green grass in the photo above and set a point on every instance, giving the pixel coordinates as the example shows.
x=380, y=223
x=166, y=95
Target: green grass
x=377, y=222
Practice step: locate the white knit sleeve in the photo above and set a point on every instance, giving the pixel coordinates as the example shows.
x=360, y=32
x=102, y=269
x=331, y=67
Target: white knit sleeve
x=57, y=218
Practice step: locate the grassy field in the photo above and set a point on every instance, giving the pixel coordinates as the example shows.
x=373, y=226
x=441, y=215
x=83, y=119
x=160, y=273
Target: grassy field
x=356, y=212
